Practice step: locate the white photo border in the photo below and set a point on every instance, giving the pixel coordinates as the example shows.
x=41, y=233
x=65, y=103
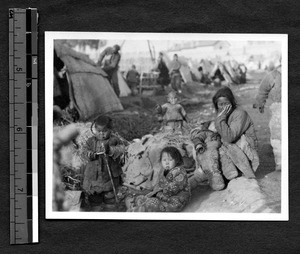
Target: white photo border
x=49, y=47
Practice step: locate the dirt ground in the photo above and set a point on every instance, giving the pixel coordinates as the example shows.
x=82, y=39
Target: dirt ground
x=139, y=113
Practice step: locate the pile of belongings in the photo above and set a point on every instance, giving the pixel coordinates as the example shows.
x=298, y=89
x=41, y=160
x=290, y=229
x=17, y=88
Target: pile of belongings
x=142, y=169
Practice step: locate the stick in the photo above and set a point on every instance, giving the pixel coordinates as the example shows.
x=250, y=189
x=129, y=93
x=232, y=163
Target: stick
x=153, y=193
x=110, y=176
x=129, y=186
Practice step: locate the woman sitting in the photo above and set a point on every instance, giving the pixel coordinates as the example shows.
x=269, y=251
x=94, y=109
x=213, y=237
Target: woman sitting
x=238, y=148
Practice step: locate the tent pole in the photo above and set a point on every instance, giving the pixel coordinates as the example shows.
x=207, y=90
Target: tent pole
x=122, y=44
x=152, y=59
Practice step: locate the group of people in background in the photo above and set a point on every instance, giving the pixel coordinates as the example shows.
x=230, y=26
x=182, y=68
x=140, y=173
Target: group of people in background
x=166, y=75
x=222, y=72
x=109, y=61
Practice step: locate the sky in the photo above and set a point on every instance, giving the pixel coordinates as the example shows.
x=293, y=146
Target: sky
x=135, y=46
x=137, y=50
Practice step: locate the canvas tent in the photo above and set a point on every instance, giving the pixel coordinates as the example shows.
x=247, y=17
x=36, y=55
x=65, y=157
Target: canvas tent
x=124, y=89
x=89, y=90
x=231, y=71
x=207, y=66
x=184, y=69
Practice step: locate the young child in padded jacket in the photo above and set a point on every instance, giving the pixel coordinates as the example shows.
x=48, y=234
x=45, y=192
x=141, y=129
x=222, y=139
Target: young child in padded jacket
x=104, y=151
x=172, y=193
x=173, y=113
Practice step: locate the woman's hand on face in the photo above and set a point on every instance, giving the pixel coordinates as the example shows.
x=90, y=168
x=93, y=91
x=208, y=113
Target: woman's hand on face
x=225, y=110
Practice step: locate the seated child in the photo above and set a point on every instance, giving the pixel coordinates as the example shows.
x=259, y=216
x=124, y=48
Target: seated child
x=172, y=193
x=103, y=150
x=173, y=113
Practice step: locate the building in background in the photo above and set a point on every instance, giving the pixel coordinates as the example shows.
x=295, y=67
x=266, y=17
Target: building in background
x=197, y=50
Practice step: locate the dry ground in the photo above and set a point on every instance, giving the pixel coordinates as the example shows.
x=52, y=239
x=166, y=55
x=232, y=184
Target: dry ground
x=267, y=187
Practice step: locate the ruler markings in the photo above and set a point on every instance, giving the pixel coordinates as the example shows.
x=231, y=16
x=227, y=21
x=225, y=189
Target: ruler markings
x=23, y=68
x=13, y=132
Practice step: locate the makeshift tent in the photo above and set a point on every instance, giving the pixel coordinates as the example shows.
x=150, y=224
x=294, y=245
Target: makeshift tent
x=186, y=74
x=207, y=67
x=124, y=89
x=194, y=71
x=89, y=89
x=184, y=69
x=220, y=70
x=231, y=71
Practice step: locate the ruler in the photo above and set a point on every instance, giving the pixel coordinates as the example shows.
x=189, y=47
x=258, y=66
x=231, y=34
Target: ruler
x=23, y=123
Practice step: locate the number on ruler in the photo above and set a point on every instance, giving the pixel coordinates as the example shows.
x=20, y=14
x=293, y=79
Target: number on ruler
x=11, y=14
x=20, y=189
x=34, y=60
x=19, y=129
x=18, y=69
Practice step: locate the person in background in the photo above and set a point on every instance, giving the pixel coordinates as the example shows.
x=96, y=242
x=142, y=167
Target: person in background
x=204, y=78
x=111, y=65
x=172, y=193
x=163, y=78
x=270, y=87
x=133, y=79
x=175, y=74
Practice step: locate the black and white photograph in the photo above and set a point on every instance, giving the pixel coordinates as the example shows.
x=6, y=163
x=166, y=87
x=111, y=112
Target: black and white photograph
x=166, y=126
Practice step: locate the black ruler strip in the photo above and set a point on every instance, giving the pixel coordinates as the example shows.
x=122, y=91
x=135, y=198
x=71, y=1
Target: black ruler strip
x=28, y=20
